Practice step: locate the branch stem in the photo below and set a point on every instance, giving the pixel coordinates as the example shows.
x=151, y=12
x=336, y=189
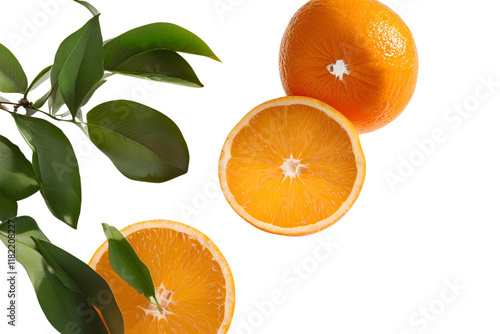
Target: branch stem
x=17, y=105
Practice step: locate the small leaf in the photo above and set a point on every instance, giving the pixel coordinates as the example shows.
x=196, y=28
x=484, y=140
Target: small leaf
x=17, y=177
x=8, y=208
x=56, y=167
x=160, y=65
x=91, y=8
x=41, y=101
x=125, y=53
x=66, y=310
x=79, y=277
x=40, y=78
x=127, y=264
x=55, y=99
x=60, y=273
x=144, y=144
x=12, y=76
x=78, y=64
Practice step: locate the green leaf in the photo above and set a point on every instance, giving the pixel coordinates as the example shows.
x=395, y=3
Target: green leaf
x=41, y=101
x=160, y=65
x=25, y=228
x=66, y=310
x=8, y=207
x=91, y=8
x=17, y=177
x=155, y=36
x=56, y=167
x=60, y=273
x=12, y=76
x=144, y=144
x=40, y=78
x=78, y=64
x=92, y=91
x=79, y=277
x=55, y=99
x=125, y=53
x=127, y=264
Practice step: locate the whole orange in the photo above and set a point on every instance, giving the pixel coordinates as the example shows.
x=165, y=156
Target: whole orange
x=356, y=55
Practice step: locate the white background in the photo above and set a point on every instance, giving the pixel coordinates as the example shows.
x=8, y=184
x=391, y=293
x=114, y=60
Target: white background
x=398, y=248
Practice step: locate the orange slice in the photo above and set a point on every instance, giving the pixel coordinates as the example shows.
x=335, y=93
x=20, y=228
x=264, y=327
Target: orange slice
x=193, y=281
x=292, y=166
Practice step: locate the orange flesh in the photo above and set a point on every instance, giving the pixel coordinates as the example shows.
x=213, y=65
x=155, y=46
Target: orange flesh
x=189, y=283
x=323, y=181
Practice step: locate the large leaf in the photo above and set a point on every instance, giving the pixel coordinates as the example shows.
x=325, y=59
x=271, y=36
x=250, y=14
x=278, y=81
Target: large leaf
x=160, y=65
x=17, y=177
x=78, y=64
x=79, y=277
x=40, y=78
x=8, y=207
x=142, y=143
x=12, y=76
x=149, y=52
x=127, y=264
x=55, y=164
x=65, y=309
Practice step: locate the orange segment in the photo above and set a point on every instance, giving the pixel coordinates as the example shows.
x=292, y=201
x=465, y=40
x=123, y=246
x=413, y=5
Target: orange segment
x=193, y=281
x=292, y=166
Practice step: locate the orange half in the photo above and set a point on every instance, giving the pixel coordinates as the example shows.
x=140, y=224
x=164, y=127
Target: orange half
x=292, y=166
x=193, y=281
